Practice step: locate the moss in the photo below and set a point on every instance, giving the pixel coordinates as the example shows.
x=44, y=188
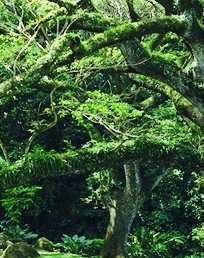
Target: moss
x=44, y=254
x=138, y=29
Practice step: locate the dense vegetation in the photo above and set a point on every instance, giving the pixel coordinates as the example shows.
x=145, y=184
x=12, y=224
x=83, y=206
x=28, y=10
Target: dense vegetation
x=102, y=118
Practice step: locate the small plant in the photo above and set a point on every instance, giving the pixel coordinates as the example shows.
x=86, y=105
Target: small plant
x=198, y=235
x=17, y=233
x=146, y=243
x=80, y=245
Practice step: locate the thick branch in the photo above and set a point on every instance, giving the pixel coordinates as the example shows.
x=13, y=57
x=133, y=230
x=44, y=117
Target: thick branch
x=47, y=165
x=134, y=30
x=92, y=22
x=169, y=6
x=183, y=105
x=108, y=38
x=155, y=67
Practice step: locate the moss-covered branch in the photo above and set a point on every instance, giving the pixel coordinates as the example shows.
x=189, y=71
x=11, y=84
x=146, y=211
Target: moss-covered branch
x=40, y=164
x=169, y=6
x=36, y=73
x=183, y=105
x=82, y=20
x=154, y=66
x=108, y=38
x=134, y=30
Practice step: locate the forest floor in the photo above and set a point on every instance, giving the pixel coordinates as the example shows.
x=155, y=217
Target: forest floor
x=44, y=254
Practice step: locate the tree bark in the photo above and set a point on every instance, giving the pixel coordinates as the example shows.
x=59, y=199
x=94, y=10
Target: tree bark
x=123, y=208
x=198, y=62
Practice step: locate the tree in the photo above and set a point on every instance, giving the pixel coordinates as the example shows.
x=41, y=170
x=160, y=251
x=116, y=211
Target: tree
x=122, y=41
x=187, y=25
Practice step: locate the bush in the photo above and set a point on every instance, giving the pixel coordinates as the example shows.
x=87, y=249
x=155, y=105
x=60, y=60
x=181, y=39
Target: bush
x=19, y=199
x=80, y=245
x=198, y=235
x=147, y=243
x=17, y=233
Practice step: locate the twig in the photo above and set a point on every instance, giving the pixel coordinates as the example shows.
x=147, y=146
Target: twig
x=49, y=126
x=23, y=49
x=3, y=149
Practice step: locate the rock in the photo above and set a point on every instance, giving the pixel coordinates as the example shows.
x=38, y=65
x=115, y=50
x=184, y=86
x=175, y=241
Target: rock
x=3, y=239
x=8, y=242
x=12, y=252
x=19, y=250
x=27, y=250
x=45, y=244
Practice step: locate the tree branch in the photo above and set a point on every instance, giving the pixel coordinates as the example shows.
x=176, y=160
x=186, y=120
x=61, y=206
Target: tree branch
x=45, y=128
x=3, y=149
x=169, y=6
x=159, y=179
x=108, y=38
x=133, y=178
x=98, y=157
x=133, y=15
x=183, y=105
x=88, y=21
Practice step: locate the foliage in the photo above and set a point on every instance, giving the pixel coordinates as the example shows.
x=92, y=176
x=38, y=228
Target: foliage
x=19, y=199
x=80, y=245
x=17, y=233
x=147, y=243
x=156, y=244
x=98, y=187
x=170, y=226
x=198, y=235
x=86, y=86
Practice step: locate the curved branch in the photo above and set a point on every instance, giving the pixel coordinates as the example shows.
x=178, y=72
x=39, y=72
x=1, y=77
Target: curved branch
x=169, y=6
x=47, y=127
x=183, y=105
x=110, y=37
x=36, y=73
x=88, y=21
x=135, y=30
x=156, y=67
x=72, y=162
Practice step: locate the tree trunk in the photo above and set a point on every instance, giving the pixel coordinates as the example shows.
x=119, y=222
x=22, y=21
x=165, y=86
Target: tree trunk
x=198, y=63
x=123, y=207
x=122, y=214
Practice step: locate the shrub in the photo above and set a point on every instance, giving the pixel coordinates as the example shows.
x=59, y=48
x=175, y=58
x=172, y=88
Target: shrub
x=17, y=233
x=80, y=245
x=198, y=235
x=19, y=199
x=147, y=243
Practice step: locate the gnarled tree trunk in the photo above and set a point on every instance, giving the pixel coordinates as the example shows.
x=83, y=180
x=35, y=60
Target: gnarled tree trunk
x=123, y=207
